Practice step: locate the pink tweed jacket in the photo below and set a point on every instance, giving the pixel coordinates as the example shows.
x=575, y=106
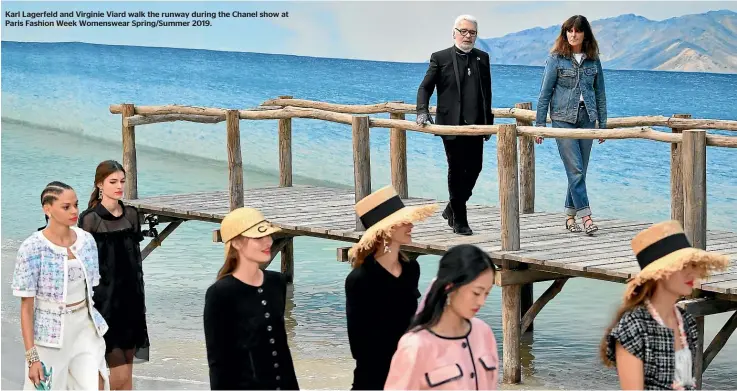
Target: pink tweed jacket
x=425, y=361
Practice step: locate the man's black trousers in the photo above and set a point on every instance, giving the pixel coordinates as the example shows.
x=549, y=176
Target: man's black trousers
x=465, y=157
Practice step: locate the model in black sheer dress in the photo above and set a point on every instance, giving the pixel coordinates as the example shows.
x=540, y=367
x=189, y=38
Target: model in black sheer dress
x=120, y=296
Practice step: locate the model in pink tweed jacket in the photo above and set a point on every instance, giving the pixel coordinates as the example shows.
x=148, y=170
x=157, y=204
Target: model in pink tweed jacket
x=424, y=361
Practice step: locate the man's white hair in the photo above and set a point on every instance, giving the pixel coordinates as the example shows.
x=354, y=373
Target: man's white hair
x=469, y=18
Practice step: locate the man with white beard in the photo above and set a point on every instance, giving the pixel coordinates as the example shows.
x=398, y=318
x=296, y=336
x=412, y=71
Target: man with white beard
x=462, y=76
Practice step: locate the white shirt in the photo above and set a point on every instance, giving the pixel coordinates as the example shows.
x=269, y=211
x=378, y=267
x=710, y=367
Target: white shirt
x=579, y=56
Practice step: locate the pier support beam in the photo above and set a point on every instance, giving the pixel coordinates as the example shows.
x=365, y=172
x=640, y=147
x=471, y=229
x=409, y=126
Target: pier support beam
x=235, y=162
x=151, y=246
x=130, y=163
x=694, y=185
x=676, y=176
x=285, y=180
x=398, y=156
x=361, y=160
x=510, y=241
x=526, y=195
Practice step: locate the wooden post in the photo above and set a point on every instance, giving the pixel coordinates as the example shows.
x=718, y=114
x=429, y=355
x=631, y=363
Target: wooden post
x=398, y=154
x=676, y=176
x=526, y=194
x=526, y=166
x=693, y=164
x=361, y=160
x=285, y=180
x=285, y=151
x=129, y=154
x=235, y=163
x=508, y=186
x=510, y=238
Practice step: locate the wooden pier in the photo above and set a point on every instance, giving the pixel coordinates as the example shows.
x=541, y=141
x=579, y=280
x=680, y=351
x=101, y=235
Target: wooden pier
x=528, y=246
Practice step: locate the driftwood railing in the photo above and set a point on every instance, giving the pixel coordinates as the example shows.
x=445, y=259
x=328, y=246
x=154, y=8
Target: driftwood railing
x=516, y=167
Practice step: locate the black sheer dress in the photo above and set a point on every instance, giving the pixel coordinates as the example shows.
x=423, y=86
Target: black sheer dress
x=120, y=295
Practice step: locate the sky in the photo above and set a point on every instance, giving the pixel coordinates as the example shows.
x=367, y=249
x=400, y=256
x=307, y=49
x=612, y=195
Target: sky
x=406, y=31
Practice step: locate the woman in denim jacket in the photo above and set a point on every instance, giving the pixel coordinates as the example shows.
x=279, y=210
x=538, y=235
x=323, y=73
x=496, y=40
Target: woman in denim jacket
x=573, y=89
x=55, y=271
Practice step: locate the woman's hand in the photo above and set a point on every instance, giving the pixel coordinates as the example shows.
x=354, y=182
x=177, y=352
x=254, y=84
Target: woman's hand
x=539, y=139
x=35, y=373
x=601, y=140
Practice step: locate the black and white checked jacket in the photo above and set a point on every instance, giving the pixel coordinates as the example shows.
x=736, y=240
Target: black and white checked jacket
x=642, y=335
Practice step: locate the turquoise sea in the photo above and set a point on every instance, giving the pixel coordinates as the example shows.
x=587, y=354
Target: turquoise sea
x=56, y=125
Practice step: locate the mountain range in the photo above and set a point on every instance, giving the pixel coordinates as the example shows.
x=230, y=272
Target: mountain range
x=692, y=43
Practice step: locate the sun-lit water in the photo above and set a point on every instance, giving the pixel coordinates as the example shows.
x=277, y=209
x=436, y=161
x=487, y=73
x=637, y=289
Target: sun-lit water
x=56, y=126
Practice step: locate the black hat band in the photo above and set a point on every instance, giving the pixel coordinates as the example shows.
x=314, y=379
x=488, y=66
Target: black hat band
x=662, y=248
x=381, y=211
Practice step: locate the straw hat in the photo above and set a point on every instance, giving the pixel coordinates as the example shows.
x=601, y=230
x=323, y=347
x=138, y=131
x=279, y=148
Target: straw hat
x=246, y=222
x=383, y=210
x=664, y=249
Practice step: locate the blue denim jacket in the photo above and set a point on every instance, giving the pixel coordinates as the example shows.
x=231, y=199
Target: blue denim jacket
x=564, y=81
x=41, y=272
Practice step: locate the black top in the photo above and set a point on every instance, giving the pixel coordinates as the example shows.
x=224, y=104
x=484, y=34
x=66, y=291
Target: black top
x=379, y=309
x=119, y=297
x=246, y=337
x=470, y=92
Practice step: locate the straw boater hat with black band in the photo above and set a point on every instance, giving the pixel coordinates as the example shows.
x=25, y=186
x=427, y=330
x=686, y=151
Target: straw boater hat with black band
x=663, y=249
x=246, y=222
x=382, y=211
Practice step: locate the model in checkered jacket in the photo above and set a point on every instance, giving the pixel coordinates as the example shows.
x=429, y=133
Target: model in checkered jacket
x=652, y=342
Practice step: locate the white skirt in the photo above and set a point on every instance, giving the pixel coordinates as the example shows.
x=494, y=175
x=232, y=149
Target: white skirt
x=80, y=362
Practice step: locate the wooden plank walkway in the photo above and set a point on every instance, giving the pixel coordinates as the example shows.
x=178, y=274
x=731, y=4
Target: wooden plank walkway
x=545, y=245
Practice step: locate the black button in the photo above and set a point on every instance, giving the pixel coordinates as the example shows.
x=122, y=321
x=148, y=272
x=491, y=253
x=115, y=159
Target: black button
x=276, y=365
x=271, y=341
x=464, y=345
x=273, y=353
x=263, y=302
x=266, y=315
x=278, y=378
x=268, y=328
x=472, y=375
x=260, y=290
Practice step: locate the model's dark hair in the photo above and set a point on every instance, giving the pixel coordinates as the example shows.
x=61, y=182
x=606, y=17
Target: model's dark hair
x=51, y=193
x=589, y=46
x=459, y=266
x=104, y=170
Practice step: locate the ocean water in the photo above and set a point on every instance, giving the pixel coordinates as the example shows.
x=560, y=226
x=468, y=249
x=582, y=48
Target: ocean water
x=56, y=125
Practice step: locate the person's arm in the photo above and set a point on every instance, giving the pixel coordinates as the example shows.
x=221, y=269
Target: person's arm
x=600, y=94
x=405, y=371
x=491, y=94
x=630, y=369
x=24, y=285
x=219, y=341
x=427, y=86
x=626, y=348
x=550, y=76
x=358, y=316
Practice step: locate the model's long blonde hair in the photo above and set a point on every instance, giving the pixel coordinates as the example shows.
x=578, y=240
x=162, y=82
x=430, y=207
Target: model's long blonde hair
x=640, y=294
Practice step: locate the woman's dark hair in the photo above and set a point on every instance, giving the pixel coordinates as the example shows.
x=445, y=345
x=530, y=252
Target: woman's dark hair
x=459, y=266
x=589, y=46
x=51, y=193
x=104, y=170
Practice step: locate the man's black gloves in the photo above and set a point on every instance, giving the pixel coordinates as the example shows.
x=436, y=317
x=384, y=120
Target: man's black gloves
x=423, y=119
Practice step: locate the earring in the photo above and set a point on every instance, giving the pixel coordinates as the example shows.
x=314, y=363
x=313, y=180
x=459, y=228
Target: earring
x=386, y=247
x=99, y=194
x=447, y=300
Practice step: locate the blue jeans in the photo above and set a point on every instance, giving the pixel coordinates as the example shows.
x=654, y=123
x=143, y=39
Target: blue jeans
x=575, y=155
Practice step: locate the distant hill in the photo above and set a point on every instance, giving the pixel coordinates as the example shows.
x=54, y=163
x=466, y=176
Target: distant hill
x=693, y=43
